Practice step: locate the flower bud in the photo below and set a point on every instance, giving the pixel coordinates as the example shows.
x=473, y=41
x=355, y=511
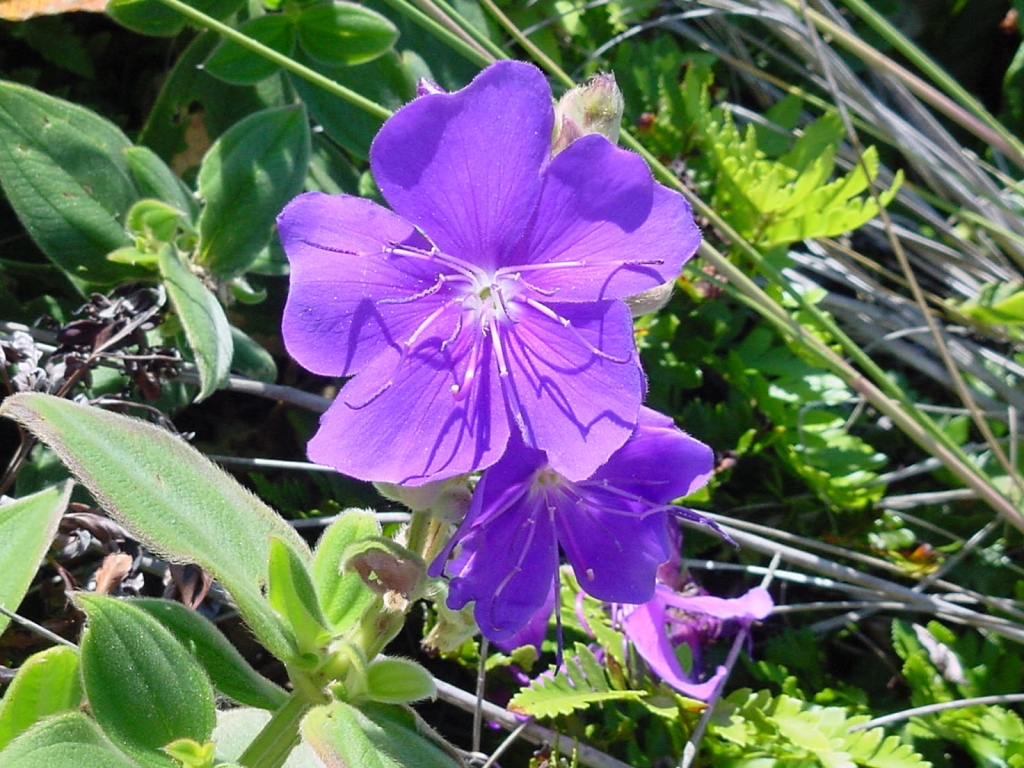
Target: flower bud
x=652, y=300
x=592, y=108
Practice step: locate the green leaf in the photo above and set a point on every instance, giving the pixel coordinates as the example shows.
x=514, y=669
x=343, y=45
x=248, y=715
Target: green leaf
x=151, y=17
x=193, y=105
x=229, y=672
x=385, y=80
x=246, y=178
x=233, y=63
x=63, y=171
x=144, y=689
x=154, y=179
x=66, y=740
x=343, y=596
x=27, y=526
x=398, y=681
x=371, y=737
x=46, y=684
x=291, y=593
x=799, y=733
x=581, y=682
x=250, y=359
x=172, y=498
x=203, y=319
x=154, y=221
x=343, y=34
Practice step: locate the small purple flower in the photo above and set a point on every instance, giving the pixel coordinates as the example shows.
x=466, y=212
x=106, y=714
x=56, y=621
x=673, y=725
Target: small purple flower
x=488, y=301
x=659, y=625
x=613, y=527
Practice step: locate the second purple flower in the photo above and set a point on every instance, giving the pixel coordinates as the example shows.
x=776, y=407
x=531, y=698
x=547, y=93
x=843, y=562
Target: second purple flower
x=489, y=299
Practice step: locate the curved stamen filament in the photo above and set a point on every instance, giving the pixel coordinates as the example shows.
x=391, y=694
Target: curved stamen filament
x=423, y=327
x=435, y=256
x=461, y=391
x=518, y=278
x=441, y=280
x=566, y=323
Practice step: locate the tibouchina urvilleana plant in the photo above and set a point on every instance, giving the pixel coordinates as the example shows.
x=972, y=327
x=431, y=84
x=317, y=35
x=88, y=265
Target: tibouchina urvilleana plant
x=495, y=388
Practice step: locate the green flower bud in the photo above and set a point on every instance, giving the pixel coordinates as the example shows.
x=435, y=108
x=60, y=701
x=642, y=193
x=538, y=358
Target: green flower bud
x=595, y=107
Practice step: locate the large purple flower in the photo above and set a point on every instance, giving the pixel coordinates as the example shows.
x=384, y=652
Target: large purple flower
x=488, y=300
x=613, y=527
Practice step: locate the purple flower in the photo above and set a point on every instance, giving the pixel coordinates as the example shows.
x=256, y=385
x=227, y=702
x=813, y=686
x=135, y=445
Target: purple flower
x=659, y=625
x=613, y=527
x=488, y=300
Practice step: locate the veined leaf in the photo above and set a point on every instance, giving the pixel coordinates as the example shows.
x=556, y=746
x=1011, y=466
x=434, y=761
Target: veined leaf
x=162, y=693
x=62, y=168
x=344, y=33
x=246, y=178
x=171, y=497
x=291, y=593
x=229, y=672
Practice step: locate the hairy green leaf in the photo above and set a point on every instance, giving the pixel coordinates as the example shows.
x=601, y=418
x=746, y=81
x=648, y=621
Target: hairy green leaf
x=144, y=689
x=170, y=497
x=229, y=672
x=47, y=684
x=373, y=736
x=27, y=527
x=65, y=740
x=343, y=596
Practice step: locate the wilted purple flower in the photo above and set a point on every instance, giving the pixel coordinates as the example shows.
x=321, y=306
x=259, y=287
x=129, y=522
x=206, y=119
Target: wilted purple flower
x=613, y=526
x=659, y=625
x=489, y=297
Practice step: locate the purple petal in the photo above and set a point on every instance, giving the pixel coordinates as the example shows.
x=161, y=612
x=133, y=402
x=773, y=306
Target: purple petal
x=508, y=562
x=465, y=167
x=614, y=552
x=601, y=210
x=348, y=302
x=397, y=421
x=574, y=384
x=645, y=627
x=536, y=629
x=756, y=605
x=659, y=462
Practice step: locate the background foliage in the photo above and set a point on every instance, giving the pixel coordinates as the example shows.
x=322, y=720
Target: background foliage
x=849, y=341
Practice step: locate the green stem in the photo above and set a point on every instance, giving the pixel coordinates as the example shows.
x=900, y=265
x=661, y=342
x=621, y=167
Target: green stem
x=285, y=62
x=536, y=53
x=492, y=48
x=275, y=742
x=467, y=48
